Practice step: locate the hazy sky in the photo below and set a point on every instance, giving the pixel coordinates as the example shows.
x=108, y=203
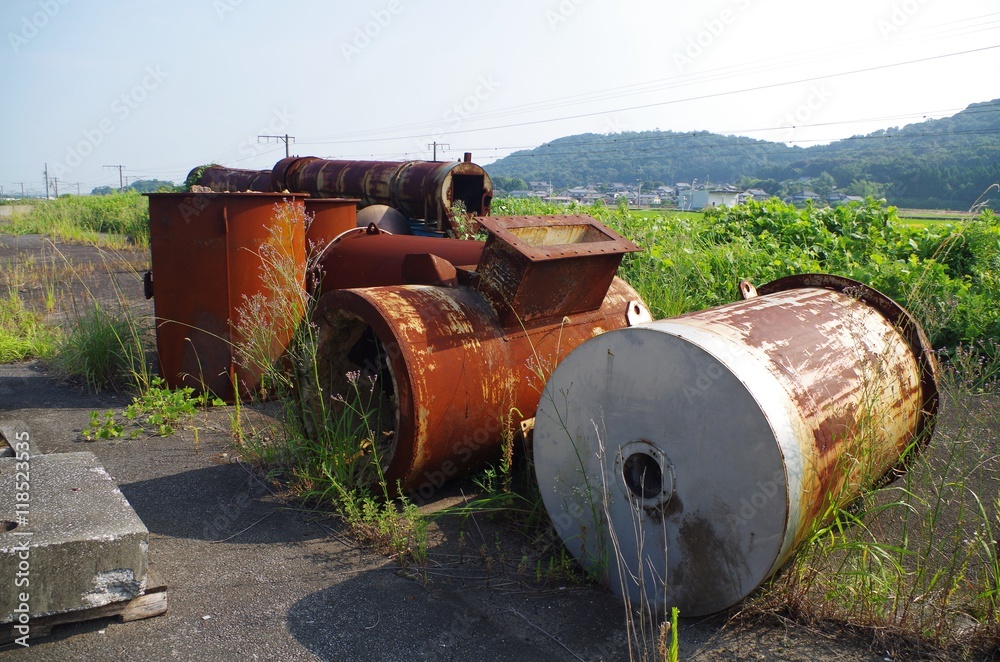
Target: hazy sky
x=160, y=87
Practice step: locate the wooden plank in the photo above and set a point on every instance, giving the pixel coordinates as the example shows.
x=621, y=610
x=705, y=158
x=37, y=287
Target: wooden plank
x=152, y=602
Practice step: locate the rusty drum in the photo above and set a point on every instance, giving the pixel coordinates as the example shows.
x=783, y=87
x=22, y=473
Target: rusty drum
x=685, y=459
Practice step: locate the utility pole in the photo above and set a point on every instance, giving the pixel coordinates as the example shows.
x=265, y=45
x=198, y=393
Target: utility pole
x=22, y=188
x=285, y=138
x=435, y=146
x=55, y=180
x=121, y=176
x=46, y=181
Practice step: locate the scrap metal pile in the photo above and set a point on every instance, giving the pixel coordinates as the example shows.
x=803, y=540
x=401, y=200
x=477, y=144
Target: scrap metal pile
x=682, y=459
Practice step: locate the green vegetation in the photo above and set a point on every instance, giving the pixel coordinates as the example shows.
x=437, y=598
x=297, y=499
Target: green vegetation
x=115, y=221
x=23, y=335
x=105, y=349
x=939, y=164
x=329, y=446
x=944, y=273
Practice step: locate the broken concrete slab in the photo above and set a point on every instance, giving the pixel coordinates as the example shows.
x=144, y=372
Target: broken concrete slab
x=69, y=540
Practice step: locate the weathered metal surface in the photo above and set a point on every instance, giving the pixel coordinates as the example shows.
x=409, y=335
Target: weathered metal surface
x=454, y=376
x=222, y=179
x=418, y=189
x=385, y=218
x=367, y=257
x=545, y=267
x=685, y=459
x=331, y=217
x=206, y=260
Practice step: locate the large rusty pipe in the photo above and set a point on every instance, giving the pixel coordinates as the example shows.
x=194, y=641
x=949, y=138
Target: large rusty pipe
x=419, y=189
x=452, y=375
x=686, y=459
x=235, y=180
x=368, y=257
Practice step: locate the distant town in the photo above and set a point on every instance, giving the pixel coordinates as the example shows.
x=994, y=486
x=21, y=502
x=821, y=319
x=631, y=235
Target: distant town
x=684, y=196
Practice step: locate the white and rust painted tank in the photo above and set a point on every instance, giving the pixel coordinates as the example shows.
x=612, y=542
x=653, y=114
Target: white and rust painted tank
x=684, y=460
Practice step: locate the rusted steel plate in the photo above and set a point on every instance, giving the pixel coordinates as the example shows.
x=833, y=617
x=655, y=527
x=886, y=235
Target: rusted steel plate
x=206, y=261
x=697, y=452
x=457, y=376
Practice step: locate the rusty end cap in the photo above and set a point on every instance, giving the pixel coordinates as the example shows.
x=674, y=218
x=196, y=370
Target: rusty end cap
x=900, y=318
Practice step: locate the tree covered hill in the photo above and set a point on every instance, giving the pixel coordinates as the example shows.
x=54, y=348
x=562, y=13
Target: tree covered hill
x=943, y=163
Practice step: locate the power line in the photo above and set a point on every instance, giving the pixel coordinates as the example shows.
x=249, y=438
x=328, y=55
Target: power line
x=285, y=138
x=121, y=176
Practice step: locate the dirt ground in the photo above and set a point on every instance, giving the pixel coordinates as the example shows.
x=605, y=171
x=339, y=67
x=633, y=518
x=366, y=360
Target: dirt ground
x=254, y=575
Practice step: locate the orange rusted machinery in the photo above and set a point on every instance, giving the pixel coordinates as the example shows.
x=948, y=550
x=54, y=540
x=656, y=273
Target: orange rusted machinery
x=684, y=460
x=463, y=356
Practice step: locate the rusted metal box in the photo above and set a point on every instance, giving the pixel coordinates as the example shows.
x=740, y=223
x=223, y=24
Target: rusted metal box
x=547, y=267
x=331, y=217
x=206, y=264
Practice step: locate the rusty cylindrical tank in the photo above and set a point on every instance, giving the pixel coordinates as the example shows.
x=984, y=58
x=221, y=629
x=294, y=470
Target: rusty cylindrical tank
x=369, y=257
x=452, y=371
x=234, y=180
x=419, y=189
x=685, y=459
x=206, y=261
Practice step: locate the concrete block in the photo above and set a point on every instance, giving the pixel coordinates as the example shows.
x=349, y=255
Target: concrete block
x=76, y=545
x=16, y=432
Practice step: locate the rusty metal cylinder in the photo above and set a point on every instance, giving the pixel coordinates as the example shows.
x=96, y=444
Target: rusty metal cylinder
x=452, y=376
x=368, y=257
x=222, y=179
x=419, y=189
x=686, y=459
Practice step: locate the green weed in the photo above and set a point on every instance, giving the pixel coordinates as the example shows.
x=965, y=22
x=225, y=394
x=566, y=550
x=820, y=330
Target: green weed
x=114, y=221
x=23, y=335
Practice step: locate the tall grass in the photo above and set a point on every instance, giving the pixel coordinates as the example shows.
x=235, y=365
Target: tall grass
x=329, y=447
x=23, y=334
x=115, y=221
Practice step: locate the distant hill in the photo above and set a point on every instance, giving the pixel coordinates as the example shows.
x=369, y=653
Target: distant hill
x=944, y=163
